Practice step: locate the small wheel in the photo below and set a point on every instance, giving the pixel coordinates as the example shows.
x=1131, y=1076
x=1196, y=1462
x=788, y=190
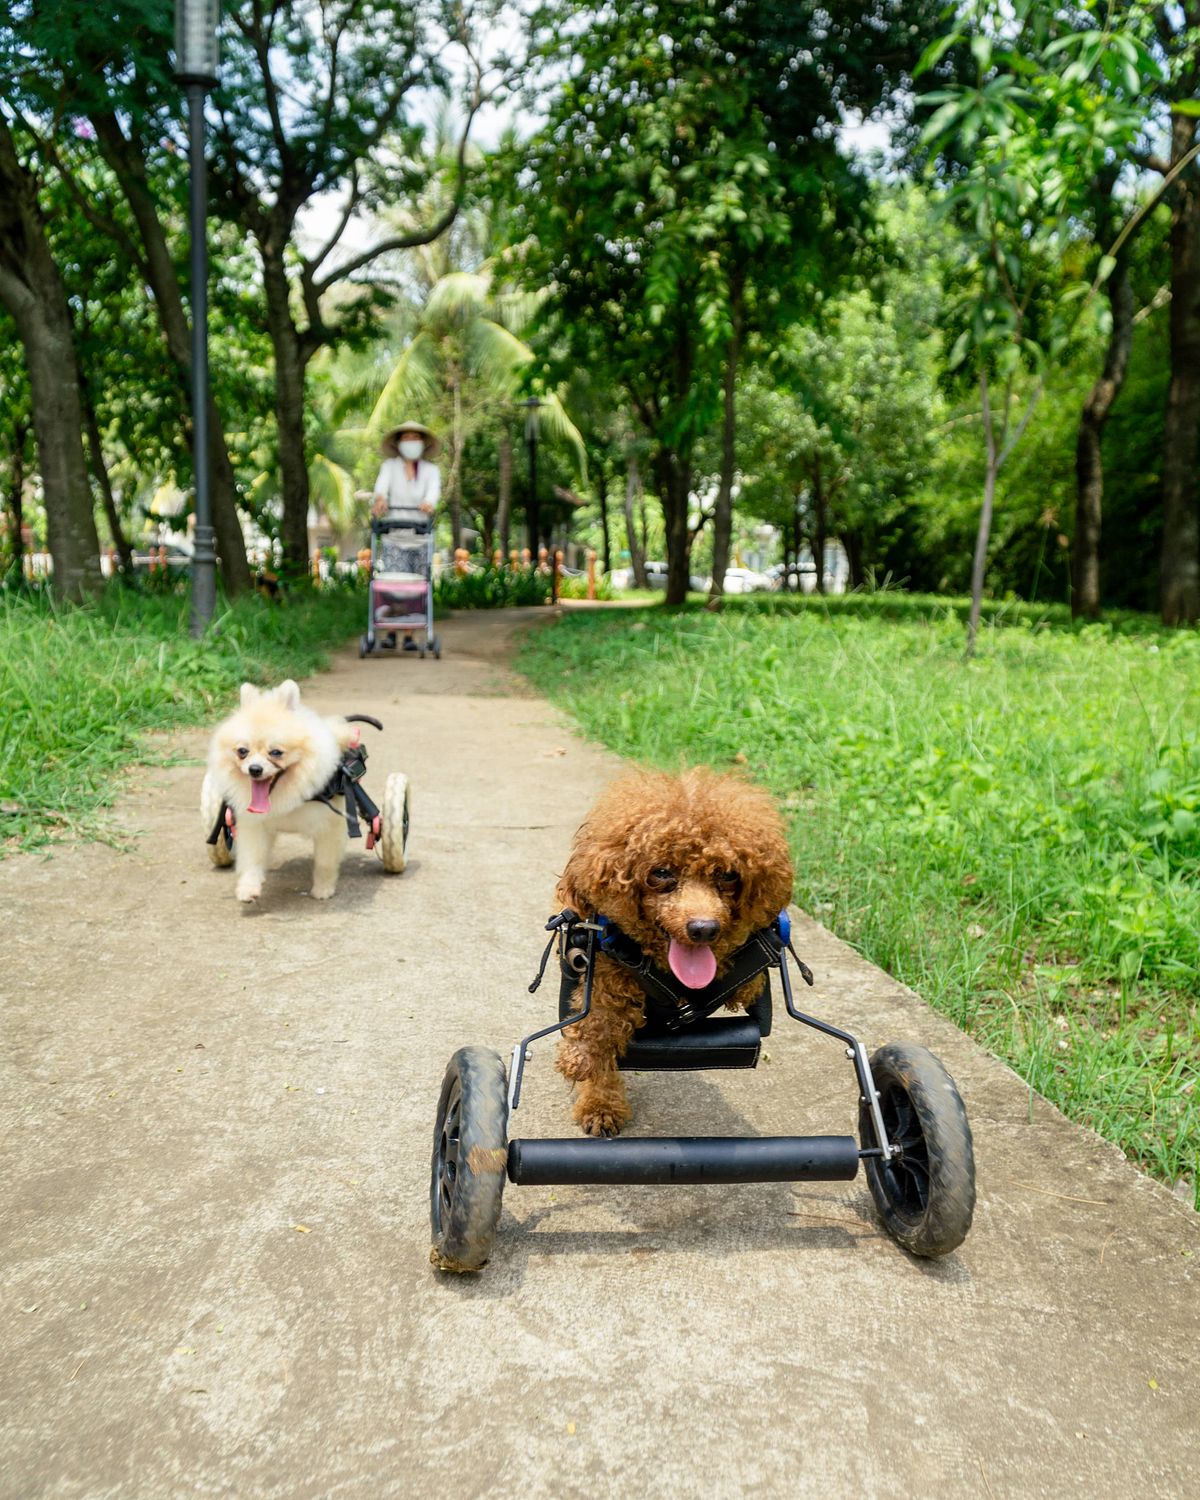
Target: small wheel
x=926, y=1195
x=437, y=649
x=421, y=650
x=395, y=816
x=470, y=1158
x=210, y=805
x=363, y=647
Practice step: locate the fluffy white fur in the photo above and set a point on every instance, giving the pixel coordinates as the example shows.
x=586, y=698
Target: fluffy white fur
x=294, y=751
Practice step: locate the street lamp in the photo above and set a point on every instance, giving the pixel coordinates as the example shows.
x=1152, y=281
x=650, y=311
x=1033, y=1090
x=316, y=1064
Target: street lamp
x=532, y=517
x=196, y=68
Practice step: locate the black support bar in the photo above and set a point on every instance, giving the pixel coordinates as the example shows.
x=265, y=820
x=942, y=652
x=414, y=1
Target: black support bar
x=685, y=1159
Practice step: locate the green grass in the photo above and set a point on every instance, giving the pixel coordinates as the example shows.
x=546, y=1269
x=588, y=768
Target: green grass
x=1017, y=838
x=79, y=688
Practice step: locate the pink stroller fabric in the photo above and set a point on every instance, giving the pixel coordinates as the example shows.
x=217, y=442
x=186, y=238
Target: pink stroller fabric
x=402, y=599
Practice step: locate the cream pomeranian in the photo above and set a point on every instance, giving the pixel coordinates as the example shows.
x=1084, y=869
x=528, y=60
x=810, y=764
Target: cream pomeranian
x=266, y=762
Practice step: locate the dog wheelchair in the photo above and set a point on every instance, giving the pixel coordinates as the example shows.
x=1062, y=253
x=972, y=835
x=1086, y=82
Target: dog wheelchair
x=400, y=593
x=387, y=826
x=914, y=1140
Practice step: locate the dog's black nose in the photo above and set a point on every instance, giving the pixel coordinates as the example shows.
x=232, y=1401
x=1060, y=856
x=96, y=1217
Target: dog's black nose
x=255, y=769
x=703, y=929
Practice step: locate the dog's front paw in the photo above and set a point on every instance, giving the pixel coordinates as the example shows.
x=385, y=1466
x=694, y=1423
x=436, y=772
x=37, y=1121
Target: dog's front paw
x=574, y=1062
x=601, y=1111
x=600, y=1122
x=249, y=888
x=323, y=891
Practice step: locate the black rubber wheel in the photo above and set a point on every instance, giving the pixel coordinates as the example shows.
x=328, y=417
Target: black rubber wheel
x=926, y=1195
x=470, y=1158
x=437, y=650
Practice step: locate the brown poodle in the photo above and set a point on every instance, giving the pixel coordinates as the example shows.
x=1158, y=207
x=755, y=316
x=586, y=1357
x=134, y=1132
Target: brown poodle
x=687, y=866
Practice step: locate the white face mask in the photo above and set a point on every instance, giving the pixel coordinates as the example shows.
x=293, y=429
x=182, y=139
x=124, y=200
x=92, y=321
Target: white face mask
x=412, y=448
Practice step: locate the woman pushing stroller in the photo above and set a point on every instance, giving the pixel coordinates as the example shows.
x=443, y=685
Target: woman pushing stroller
x=409, y=485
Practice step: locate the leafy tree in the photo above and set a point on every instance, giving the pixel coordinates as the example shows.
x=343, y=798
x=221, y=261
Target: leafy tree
x=1034, y=150
x=107, y=68
x=32, y=290
x=314, y=98
x=682, y=177
x=1174, y=29
x=463, y=361
x=16, y=426
x=841, y=419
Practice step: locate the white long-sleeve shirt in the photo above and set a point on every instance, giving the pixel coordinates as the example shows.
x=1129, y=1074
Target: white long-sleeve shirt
x=406, y=496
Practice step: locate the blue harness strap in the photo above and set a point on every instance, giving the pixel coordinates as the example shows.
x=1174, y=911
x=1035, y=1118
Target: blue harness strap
x=671, y=1005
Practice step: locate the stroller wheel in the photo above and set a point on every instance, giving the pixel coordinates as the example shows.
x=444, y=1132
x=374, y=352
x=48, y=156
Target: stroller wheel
x=437, y=649
x=210, y=805
x=926, y=1195
x=365, y=646
x=395, y=815
x=470, y=1157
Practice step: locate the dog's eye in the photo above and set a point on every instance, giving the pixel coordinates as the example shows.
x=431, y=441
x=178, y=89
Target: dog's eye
x=275, y=754
x=243, y=751
x=728, y=879
x=661, y=879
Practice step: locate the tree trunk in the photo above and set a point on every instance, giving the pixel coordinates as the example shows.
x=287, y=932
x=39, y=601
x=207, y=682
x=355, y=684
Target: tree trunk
x=100, y=475
x=1180, y=572
x=454, y=478
x=1089, y=466
x=129, y=168
x=855, y=545
x=798, y=536
x=289, y=415
x=979, y=562
x=602, y=493
x=504, y=500
x=637, y=558
x=673, y=477
x=723, y=510
x=820, y=525
x=643, y=521
x=16, y=496
x=532, y=508
x=33, y=292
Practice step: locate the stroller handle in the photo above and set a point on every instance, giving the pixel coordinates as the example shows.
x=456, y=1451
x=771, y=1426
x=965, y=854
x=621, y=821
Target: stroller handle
x=381, y=525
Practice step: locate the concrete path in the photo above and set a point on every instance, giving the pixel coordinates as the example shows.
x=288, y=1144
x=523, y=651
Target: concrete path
x=214, y=1219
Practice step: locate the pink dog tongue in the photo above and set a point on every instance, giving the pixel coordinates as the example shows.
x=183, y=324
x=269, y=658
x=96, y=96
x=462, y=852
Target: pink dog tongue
x=695, y=967
x=260, y=796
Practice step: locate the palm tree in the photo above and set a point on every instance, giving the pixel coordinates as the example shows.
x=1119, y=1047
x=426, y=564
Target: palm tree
x=464, y=362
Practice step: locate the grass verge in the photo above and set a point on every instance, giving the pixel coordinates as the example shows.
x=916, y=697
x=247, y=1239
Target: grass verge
x=1017, y=838
x=80, y=686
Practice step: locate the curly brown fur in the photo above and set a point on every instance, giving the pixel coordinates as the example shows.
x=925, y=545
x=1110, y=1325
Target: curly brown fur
x=672, y=860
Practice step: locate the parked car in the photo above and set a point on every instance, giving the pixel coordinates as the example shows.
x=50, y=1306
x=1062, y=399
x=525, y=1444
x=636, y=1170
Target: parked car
x=656, y=578
x=745, y=581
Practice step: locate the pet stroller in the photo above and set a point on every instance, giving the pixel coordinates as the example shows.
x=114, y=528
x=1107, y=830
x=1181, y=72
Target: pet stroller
x=400, y=593
x=913, y=1139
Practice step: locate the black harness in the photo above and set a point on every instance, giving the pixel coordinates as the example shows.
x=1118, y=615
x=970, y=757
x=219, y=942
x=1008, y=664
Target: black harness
x=670, y=1005
x=346, y=782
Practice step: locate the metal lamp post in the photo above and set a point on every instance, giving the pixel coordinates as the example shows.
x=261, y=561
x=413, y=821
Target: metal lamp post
x=531, y=441
x=196, y=68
